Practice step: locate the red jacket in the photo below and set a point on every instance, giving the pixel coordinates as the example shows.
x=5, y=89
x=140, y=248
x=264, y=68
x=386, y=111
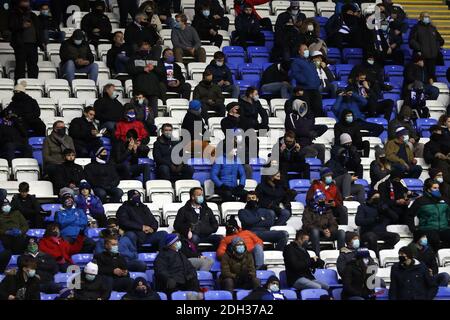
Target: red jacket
x=253, y=3
x=250, y=240
x=60, y=249
x=122, y=128
x=332, y=193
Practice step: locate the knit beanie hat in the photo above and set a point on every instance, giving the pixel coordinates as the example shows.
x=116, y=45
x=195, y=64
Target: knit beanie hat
x=91, y=268
x=171, y=238
x=195, y=105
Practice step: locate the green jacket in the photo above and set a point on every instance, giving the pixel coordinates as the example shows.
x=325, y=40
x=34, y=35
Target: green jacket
x=433, y=213
x=13, y=220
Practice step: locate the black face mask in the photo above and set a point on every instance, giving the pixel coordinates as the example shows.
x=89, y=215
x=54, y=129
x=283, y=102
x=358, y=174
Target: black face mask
x=103, y=157
x=402, y=259
x=140, y=292
x=99, y=11
x=61, y=132
x=306, y=245
x=252, y=204
x=375, y=201
x=70, y=161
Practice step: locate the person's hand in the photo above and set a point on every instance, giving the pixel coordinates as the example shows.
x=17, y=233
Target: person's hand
x=327, y=233
x=11, y=297
x=297, y=147
x=226, y=83
x=430, y=271
x=94, y=132
x=431, y=81
x=78, y=61
x=131, y=145
x=149, y=67
x=26, y=24
x=414, y=161
x=221, y=83
x=354, y=178
x=393, y=46
x=349, y=93
x=150, y=230
x=389, y=50
x=216, y=16
x=95, y=30
x=342, y=94
x=440, y=156
x=365, y=84
x=315, y=258
x=332, y=203
x=412, y=140
x=117, y=272
x=397, y=32
x=212, y=32
x=283, y=147
x=323, y=64
x=401, y=202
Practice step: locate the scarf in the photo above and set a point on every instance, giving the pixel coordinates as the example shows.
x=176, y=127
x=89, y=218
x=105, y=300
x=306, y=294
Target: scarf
x=100, y=161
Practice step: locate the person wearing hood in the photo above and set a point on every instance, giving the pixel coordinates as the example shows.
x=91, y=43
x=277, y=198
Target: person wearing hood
x=46, y=267
x=102, y=175
x=166, y=169
x=215, y=11
x=67, y=174
x=291, y=158
x=380, y=167
x=129, y=122
x=237, y=267
x=90, y=204
x=96, y=24
x=13, y=227
x=385, y=41
x=444, y=187
x=326, y=76
x=434, y=215
x=248, y=27
x=345, y=28
x=76, y=57
x=206, y=26
x=93, y=285
x=28, y=206
x=425, y=254
x=134, y=216
x=171, y=75
x=150, y=8
x=26, y=38
x=186, y=41
x=193, y=121
x=210, y=94
x=250, y=108
x=84, y=133
x=319, y=222
x=108, y=109
x=292, y=15
x=173, y=271
x=404, y=119
x=347, y=253
x=140, y=31
x=275, y=80
x=301, y=121
x=373, y=217
x=27, y=109
x=22, y=284
x=117, y=57
x=411, y=279
x=425, y=39
x=400, y=154
x=54, y=146
x=141, y=290
x=356, y=277
x=222, y=75
x=268, y=292
x=300, y=266
x=436, y=151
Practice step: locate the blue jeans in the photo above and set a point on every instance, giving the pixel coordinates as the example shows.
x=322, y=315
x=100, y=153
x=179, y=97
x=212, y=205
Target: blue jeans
x=282, y=218
x=305, y=283
x=258, y=256
x=316, y=236
x=280, y=238
x=69, y=69
x=275, y=88
x=442, y=279
x=121, y=63
x=233, y=89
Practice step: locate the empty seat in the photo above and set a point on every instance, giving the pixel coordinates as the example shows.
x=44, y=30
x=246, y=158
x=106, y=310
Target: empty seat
x=388, y=257
x=25, y=169
x=218, y=295
x=312, y=294
x=231, y=209
x=82, y=259
x=159, y=191
x=182, y=188
x=84, y=88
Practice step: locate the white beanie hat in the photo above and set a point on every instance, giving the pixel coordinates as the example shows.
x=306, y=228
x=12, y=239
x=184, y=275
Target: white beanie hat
x=91, y=268
x=345, y=138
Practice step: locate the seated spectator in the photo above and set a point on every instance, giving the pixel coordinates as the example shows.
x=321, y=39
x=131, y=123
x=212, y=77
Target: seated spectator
x=90, y=204
x=400, y=154
x=135, y=217
x=61, y=250
x=117, y=57
x=144, y=112
x=216, y=12
x=126, y=156
x=436, y=151
x=348, y=252
x=149, y=7
x=141, y=290
x=438, y=175
x=140, y=31
x=129, y=122
x=300, y=265
x=386, y=41
x=67, y=174
x=166, y=168
x=193, y=122
x=190, y=250
x=320, y=223
x=380, y=167
x=162, y=9
x=13, y=227
x=173, y=271
x=102, y=175
x=232, y=120
x=54, y=146
x=345, y=29
x=248, y=27
x=28, y=206
x=76, y=57
x=275, y=80
x=373, y=217
x=48, y=25
x=328, y=186
x=267, y=292
x=416, y=71
x=46, y=267
x=259, y=221
x=411, y=279
x=326, y=76
x=13, y=138
x=113, y=266
x=291, y=159
x=250, y=108
x=210, y=94
x=356, y=277
x=304, y=72
x=84, y=133
x=345, y=164
x=237, y=267
x=301, y=120
x=96, y=24
x=21, y=284
x=170, y=74
x=142, y=69
x=93, y=286
x=27, y=109
x=252, y=242
x=240, y=5
x=206, y=26
x=425, y=254
x=108, y=109
x=222, y=75
x=405, y=119
x=433, y=214
x=349, y=124
x=186, y=41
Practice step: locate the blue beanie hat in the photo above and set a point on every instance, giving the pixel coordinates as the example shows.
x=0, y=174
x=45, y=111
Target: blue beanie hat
x=84, y=185
x=195, y=105
x=171, y=238
x=325, y=172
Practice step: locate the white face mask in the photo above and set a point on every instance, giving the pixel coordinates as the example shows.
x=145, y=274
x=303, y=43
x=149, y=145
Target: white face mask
x=219, y=64
x=370, y=61
x=77, y=42
x=310, y=27
x=405, y=138
x=256, y=98
x=439, y=180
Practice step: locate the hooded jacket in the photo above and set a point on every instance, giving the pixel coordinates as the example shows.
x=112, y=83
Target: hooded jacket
x=298, y=263
x=237, y=266
x=145, y=82
x=80, y=131
x=108, y=261
x=68, y=172
x=433, y=213
x=29, y=207
x=345, y=256
x=162, y=151
x=25, y=107
x=13, y=220
x=271, y=195
x=189, y=123
x=70, y=51
x=71, y=221
x=426, y=255
x=101, y=175
x=94, y=20
x=202, y=225
x=313, y=220
x=305, y=74
x=354, y=103
x=60, y=249
x=392, y=149
x=133, y=294
x=352, y=128
x=252, y=219
x=135, y=33
x=16, y=18
x=304, y=126
x=250, y=239
x=396, y=123
x=437, y=143
x=249, y=115
x=331, y=193
x=170, y=264
x=225, y=173
x=205, y=91
x=246, y=24
x=372, y=218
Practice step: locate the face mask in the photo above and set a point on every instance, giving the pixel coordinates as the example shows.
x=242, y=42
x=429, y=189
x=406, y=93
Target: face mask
x=426, y=20
x=306, y=54
x=440, y=180
x=255, y=98
x=103, y=157
x=384, y=27
x=114, y=95
x=206, y=13
x=136, y=199
x=6, y=208
x=306, y=245
x=371, y=62
x=199, y=200
x=405, y=138
x=77, y=42
x=294, y=12
x=61, y=132
x=219, y=64
x=349, y=119
x=177, y=25
x=436, y=193
x=240, y=249
x=90, y=277
x=178, y=245
x=252, y=204
x=141, y=101
x=170, y=59
x=423, y=242
x=33, y=248
x=114, y=249
x=274, y=288
x=355, y=244
x=375, y=201
x=168, y=135
x=401, y=259
x=31, y=273
x=328, y=180
x=45, y=12
x=68, y=203
x=131, y=115
x=310, y=27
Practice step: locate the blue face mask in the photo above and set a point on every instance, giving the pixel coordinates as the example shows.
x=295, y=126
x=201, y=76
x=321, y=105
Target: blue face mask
x=114, y=249
x=90, y=277
x=423, y=242
x=199, y=200
x=177, y=25
x=31, y=273
x=436, y=193
x=170, y=59
x=306, y=54
x=355, y=244
x=240, y=249
x=131, y=115
x=206, y=13
x=178, y=245
x=328, y=179
x=349, y=119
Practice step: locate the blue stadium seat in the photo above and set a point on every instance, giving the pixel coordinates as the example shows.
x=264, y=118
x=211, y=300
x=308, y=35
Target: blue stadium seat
x=47, y=297
x=397, y=86
x=241, y=294
x=151, y=162
x=443, y=294
x=441, y=71
x=52, y=207
x=382, y=293
x=334, y=54
x=205, y=278
x=340, y=84
x=106, y=143
x=36, y=144
x=314, y=166
x=200, y=164
x=13, y=261
x=134, y=275
x=61, y=277
x=322, y=21
x=269, y=36
x=301, y=197
x=2, y=276
x=352, y=55
x=234, y=54
x=244, y=84
x=337, y=293
x=150, y=274
x=257, y=164
x=162, y=295
x=328, y=276
x=411, y=22
x=258, y=54
x=115, y=295
x=379, y=120
x=328, y=104
x=393, y=96
x=423, y=126
x=36, y=233
x=212, y=255
x=289, y=294
x=82, y=259
x=148, y=257
x=312, y=294
x=343, y=71
x=446, y=54
x=415, y=185
x=201, y=176
x=180, y=295
x=94, y=233
x=263, y=275
x=283, y=281
x=364, y=183
x=218, y=295
x=300, y=185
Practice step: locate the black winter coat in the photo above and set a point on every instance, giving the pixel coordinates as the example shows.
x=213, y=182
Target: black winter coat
x=230, y=123
x=69, y=51
x=203, y=24
x=132, y=217
x=80, y=131
x=271, y=196
x=203, y=225
x=16, y=19
x=249, y=115
x=46, y=266
x=251, y=219
x=14, y=284
x=102, y=175
x=94, y=20
x=220, y=73
x=426, y=39
x=298, y=263
x=25, y=107
x=112, y=54
x=162, y=150
x=108, y=261
x=374, y=218
x=273, y=74
x=147, y=83
x=134, y=34
x=304, y=127
x=68, y=172
x=93, y=290
x=427, y=256
x=355, y=281
x=28, y=207
x=188, y=124
x=107, y=109
x=170, y=264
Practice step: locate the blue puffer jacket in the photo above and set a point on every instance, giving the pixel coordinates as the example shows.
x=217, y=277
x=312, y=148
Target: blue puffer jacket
x=305, y=74
x=354, y=104
x=71, y=221
x=224, y=172
x=95, y=205
x=127, y=248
